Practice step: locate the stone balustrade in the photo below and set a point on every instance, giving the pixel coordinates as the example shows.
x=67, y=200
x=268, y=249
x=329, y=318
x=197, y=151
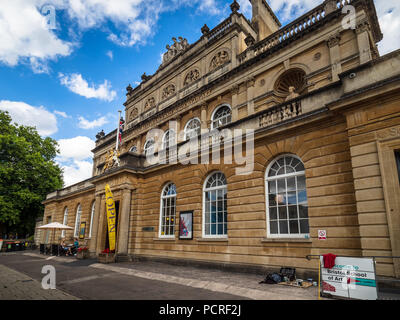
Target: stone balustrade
x=291, y=31
x=281, y=113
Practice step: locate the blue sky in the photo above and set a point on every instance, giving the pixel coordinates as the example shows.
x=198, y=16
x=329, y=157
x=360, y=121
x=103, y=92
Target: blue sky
x=70, y=82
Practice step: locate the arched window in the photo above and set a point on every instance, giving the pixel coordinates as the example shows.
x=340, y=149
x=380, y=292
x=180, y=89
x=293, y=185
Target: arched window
x=167, y=212
x=169, y=139
x=133, y=149
x=215, y=206
x=192, y=128
x=78, y=220
x=91, y=219
x=287, y=205
x=65, y=222
x=149, y=146
x=221, y=117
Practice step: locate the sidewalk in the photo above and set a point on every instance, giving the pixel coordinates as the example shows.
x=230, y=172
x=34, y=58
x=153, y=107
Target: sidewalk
x=17, y=286
x=240, y=284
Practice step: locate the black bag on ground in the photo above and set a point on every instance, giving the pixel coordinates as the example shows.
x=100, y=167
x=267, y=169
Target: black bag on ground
x=272, y=278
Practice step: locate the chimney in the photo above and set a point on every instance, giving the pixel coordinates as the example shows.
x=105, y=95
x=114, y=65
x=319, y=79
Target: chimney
x=264, y=21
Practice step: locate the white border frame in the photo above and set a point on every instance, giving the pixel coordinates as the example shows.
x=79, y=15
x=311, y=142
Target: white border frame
x=186, y=125
x=78, y=209
x=203, y=227
x=161, y=211
x=266, y=180
x=63, y=232
x=92, y=212
x=215, y=111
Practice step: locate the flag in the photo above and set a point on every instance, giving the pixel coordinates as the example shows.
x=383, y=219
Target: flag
x=121, y=129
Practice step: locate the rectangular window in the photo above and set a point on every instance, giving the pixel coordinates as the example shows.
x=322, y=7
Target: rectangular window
x=216, y=212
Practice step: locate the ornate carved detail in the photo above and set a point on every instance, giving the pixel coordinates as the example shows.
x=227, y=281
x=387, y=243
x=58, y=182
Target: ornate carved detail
x=250, y=82
x=219, y=59
x=235, y=89
x=362, y=27
x=205, y=29
x=168, y=91
x=249, y=40
x=129, y=89
x=145, y=77
x=282, y=113
x=334, y=40
x=191, y=77
x=112, y=160
x=330, y=6
x=175, y=49
x=235, y=6
x=150, y=103
x=134, y=114
x=100, y=135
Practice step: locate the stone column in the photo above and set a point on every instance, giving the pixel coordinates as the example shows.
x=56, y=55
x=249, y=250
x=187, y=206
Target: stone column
x=123, y=224
x=250, y=83
x=364, y=47
x=101, y=225
x=235, y=112
x=95, y=226
x=204, y=117
x=334, y=51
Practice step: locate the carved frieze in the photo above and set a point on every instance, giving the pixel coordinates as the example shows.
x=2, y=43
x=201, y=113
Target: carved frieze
x=168, y=91
x=191, y=77
x=150, y=103
x=219, y=59
x=133, y=114
x=175, y=49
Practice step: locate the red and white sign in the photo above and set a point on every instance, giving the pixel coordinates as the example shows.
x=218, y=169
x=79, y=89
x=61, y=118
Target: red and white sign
x=321, y=234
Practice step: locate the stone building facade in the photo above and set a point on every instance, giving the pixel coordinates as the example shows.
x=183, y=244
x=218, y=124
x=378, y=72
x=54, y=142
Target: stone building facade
x=324, y=107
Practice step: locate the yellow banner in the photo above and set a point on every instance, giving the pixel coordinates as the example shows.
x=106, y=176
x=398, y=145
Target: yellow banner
x=111, y=217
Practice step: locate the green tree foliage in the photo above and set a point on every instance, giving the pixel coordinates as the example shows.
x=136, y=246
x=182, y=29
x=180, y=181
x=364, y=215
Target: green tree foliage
x=28, y=172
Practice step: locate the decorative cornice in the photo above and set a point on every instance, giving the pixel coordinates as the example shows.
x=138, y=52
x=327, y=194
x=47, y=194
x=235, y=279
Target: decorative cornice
x=334, y=40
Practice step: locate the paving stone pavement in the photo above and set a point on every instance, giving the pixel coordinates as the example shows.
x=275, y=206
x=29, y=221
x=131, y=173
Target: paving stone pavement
x=242, y=284
x=18, y=286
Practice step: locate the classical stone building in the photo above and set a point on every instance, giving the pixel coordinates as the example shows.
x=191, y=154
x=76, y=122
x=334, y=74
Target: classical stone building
x=325, y=110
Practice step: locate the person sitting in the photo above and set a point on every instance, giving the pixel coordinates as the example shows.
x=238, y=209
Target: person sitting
x=75, y=246
x=64, y=248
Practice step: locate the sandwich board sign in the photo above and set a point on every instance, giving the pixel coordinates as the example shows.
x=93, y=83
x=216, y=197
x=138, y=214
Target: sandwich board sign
x=350, y=278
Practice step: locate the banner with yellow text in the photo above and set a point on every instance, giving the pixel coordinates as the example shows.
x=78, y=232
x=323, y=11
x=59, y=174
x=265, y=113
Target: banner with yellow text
x=111, y=217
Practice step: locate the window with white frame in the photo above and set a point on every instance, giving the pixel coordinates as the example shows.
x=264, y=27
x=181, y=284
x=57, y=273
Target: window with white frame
x=169, y=139
x=215, y=206
x=91, y=219
x=77, y=220
x=287, y=204
x=221, y=117
x=65, y=222
x=167, y=212
x=192, y=128
x=133, y=149
x=149, y=146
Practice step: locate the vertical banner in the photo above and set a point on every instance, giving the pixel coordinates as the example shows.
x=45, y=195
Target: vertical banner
x=111, y=217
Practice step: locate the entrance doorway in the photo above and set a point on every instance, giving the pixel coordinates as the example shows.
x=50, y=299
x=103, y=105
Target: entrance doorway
x=107, y=246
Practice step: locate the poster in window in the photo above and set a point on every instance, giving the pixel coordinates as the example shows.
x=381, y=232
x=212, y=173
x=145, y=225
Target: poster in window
x=186, y=225
x=82, y=230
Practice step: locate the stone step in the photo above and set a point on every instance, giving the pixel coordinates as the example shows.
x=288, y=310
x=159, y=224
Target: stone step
x=122, y=258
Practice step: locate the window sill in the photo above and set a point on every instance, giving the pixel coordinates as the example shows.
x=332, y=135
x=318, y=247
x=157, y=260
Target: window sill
x=164, y=239
x=212, y=239
x=285, y=240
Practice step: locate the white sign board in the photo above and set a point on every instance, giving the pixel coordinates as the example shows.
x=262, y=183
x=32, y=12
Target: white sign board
x=350, y=278
x=321, y=234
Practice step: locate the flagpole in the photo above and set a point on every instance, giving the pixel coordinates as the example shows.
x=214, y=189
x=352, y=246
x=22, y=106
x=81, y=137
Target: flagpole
x=117, y=140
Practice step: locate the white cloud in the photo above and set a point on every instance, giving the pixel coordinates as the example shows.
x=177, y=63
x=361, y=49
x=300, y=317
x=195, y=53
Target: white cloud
x=25, y=114
x=25, y=38
x=110, y=55
x=75, y=159
x=389, y=18
x=86, y=124
x=78, y=148
x=75, y=83
x=61, y=114
x=76, y=172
